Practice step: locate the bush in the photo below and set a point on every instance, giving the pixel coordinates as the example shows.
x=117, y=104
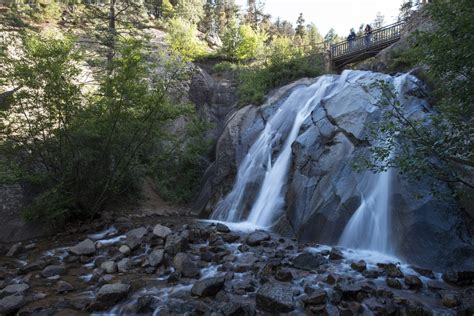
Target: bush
x=224, y=66
x=179, y=167
x=284, y=63
x=80, y=152
x=242, y=43
x=182, y=39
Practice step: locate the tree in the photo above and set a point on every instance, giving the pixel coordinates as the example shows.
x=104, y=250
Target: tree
x=300, y=30
x=379, y=20
x=441, y=145
x=182, y=39
x=313, y=36
x=284, y=28
x=254, y=14
x=79, y=151
x=191, y=11
x=331, y=36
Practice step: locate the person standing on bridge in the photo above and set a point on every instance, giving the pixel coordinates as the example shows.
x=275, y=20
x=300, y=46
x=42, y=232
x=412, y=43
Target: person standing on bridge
x=351, y=38
x=368, y=35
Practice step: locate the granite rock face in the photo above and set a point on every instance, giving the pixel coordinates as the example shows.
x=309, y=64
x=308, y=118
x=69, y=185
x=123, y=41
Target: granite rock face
x=323, y=190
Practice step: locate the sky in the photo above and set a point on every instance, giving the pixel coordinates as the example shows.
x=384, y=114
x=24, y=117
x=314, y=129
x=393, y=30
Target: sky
x=342, y=15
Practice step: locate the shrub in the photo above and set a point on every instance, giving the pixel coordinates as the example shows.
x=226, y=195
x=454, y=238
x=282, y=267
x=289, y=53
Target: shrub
x=182, y=39
x=242, y=43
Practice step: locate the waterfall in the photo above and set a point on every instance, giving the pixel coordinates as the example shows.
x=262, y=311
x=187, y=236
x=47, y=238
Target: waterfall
x=280, y=132
x=369, y=227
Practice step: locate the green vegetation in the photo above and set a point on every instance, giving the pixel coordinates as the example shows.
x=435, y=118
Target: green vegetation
x=81, y=150
x=182, y=39
x=442, y=145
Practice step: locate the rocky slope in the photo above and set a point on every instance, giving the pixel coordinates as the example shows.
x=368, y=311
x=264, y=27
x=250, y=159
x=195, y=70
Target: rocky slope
x=181, y=266
x=323, y=190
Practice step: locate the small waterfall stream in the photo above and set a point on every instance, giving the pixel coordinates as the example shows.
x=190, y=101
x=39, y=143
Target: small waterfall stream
x=369, y=228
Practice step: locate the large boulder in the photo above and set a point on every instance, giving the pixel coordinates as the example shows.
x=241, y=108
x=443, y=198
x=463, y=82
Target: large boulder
x=208, y=287
x=110, y=294
x=275, y=298
x=85, y=247
x=11, y=304
x=323, y=190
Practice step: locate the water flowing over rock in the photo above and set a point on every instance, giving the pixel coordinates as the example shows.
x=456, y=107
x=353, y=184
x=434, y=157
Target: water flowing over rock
x=288, y=164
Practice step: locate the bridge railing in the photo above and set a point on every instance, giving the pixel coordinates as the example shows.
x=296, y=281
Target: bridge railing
x=360, y=43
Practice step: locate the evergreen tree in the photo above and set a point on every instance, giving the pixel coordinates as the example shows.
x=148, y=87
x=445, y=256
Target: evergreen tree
x=379, y=20
x=300, y=27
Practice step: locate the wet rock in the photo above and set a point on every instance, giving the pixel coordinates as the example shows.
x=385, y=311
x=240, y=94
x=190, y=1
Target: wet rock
x=336, y=254
x=392, y=270
x=424, y=272
x=110, y=294
x=284, y=275
x=109, y=266
x=185, y=266
x=161, y=231
x=125, y=250
x=459, y=277
x=257, y=237
x=63, y=286
x=53, y=270
x=135, y=237
x=81, y=300
x=221, y=228
x=85, y=247
x=413, y=282
x=351, y=292
x=317, y=297
x=147, y=304
x=450, y=300
x=14, y=289
x=11, y=304
x=350, y=308
x=359, y=266
x=207, y=256
x=275, y=298
x=308, y=261
x=33, y=266
x=393, y=283
x=375, y=306
x=15, y=249
x=331, y=279
x=156, y=257
x=372, y=274
x=230, y=237
x=124, y=265
x=208, y=287
x=175, y=244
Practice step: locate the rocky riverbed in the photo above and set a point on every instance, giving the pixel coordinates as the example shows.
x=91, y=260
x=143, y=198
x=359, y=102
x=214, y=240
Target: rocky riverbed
x=176, y=266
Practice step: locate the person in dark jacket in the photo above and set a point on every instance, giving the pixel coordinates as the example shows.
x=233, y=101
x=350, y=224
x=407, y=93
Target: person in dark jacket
x=351, y=39
x=368, y=35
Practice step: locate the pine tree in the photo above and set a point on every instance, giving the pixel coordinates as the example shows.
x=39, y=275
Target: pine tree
x=300, y=28
x=379, y=20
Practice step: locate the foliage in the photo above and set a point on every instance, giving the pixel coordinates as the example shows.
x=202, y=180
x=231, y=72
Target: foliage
x=224, y=66
x=182, y=39
x=284, y=63
x=179, y=167
x=190, y=10
x=442, y=145
x=81, y=151
x=242, y=42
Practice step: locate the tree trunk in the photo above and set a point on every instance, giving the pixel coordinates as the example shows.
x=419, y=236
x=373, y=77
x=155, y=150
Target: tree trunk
x=111, y=35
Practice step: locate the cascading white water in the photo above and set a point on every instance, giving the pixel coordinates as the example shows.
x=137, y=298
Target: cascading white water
x=281, y=129
x=369, y=228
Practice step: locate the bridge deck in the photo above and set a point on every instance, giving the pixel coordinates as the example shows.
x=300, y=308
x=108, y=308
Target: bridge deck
x=362, y=47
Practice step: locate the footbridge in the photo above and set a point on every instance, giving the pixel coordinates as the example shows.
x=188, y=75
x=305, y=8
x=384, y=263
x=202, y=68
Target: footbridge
x=365, y=46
